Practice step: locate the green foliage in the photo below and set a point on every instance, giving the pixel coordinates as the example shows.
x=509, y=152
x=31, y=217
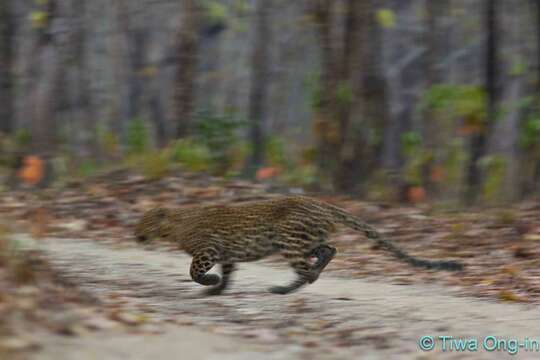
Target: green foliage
x=495, y=169
x=108, y=142
x=155, y=165
x=192, y=155
x=344, y=93
x=458, y=101
x=305, y=175
x=216, y=12
x=23, y=138
x=276, y=152
x=410, y=142
x=241, y=7
x=38, y=19
x=519, y=66
x=87, y=168
x=386, y=18
x=374, y=136
x=215, y=145
x=138, y=137
x=411, y=145
x=219, y=134
x=453, y=163
x=312, y=84
x=530, y=131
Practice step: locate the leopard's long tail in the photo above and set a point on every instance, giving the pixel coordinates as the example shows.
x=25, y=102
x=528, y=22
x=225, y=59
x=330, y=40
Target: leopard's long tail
x=352, y=222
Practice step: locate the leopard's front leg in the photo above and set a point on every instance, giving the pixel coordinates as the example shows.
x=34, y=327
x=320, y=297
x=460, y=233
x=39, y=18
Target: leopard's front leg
x=226, y=270
x=201, y=263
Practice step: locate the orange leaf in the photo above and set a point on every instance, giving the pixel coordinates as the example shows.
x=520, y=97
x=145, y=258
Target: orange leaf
x=267, y=173
x=416, y=194
x=32, y=171
x=437, y=174
x=469, y=129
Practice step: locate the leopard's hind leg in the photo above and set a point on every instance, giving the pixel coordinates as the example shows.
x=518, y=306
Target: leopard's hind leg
x=324, y=254
x=305, y=270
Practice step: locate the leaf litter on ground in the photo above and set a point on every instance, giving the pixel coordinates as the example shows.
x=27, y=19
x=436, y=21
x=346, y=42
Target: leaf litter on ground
x=499, y=247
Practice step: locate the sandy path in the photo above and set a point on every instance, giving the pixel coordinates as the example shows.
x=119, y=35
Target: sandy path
x=334, y=318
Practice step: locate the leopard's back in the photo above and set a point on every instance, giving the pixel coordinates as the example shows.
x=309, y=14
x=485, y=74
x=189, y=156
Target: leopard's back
x=252, y=231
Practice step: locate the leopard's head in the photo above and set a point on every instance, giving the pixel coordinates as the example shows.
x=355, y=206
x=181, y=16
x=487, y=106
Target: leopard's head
x=154, y=223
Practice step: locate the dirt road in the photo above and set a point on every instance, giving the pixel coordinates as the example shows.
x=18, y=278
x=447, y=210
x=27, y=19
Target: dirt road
x=334, y=318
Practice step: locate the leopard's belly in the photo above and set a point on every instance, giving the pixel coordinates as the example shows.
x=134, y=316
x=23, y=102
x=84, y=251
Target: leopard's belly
x=248, y=247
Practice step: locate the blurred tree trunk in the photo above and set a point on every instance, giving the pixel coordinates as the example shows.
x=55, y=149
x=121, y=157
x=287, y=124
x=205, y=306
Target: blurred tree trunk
x=351, y=97
x=86, y=144
x=47, y=76
x=136, y=41
x=46, y=73
x=131, y=57
x=362, y=98
x=435, y=51
x=352, y=93
x=434, y=35
x=117, y=49
x=536, y=175
x=505, y=132
x=259, y=84
x=7, y=30
x=186, y=72
x=479, y=139
x=374, y=85
x=325, y=127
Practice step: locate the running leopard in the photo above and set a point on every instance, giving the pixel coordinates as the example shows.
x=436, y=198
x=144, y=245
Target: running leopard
x=296, y=227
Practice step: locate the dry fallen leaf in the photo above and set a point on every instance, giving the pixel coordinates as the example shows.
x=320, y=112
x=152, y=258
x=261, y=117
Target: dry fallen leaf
x=507, y=295
x=128, y=318
x=510, y=270
x=16, y=344
x=532, y=237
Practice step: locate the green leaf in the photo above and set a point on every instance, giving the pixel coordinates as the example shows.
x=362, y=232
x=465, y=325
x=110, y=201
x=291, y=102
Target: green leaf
x=38, y=19
x=386, y=18
x=216, y=12
x=519, y=66
x=138, y=137
x=344, y=93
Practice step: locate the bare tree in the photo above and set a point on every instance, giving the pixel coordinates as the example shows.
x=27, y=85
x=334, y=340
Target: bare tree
x=7, y=29
x=325, y=126
x=187, y=61
x=536, y=175
x=259, y=84
x=479, y=139
x=352, y=99
x=81, y=96
x=434, y=35
x=47, y=77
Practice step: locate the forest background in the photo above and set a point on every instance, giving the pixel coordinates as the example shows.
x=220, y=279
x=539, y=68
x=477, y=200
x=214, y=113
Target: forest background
x=388, y=100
